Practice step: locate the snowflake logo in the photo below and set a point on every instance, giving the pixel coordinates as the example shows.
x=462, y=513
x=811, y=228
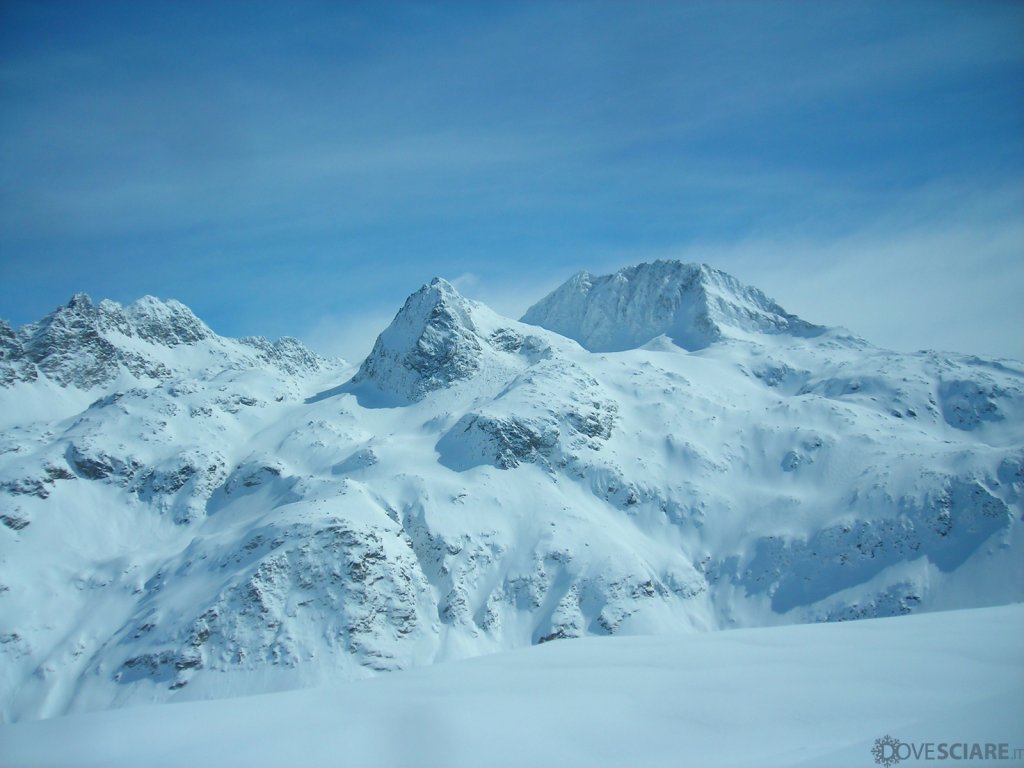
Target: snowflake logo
x=885, y=751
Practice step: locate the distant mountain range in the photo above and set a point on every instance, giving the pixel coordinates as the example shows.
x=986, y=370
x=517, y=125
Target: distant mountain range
x=661, y=450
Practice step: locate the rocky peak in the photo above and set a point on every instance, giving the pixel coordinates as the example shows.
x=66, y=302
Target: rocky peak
x=80, y=302
x=9, y=345
x=168, y=323
x=165, y=322
x=432, y=342
x=76, y=317
x=11, y=355
x=70, y=345
x=84, y=344
x=693, y=304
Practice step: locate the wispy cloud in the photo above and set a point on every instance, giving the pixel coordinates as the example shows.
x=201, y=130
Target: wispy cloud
x=933, y=275
x=273, y=166
x=347, y=336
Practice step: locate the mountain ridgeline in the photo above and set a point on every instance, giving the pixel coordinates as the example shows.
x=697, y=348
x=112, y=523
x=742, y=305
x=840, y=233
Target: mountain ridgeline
x=692, y=304
x=661, y=450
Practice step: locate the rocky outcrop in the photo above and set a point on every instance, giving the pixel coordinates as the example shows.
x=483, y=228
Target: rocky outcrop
x=431, y=343
x=294, y=590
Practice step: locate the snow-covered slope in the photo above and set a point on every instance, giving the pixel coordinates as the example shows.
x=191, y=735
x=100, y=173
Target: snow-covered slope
x=783, y=696
x=693, y=304
x=251, y=517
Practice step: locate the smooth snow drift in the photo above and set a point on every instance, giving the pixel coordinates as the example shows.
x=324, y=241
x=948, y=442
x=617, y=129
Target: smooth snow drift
x=813, y=695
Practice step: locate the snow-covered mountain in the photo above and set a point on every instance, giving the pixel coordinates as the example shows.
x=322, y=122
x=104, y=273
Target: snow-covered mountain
x=692, y=304
x=661, y=450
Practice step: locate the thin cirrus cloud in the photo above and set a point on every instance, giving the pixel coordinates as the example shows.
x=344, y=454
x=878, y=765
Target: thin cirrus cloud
x=288, y=168
x=948, y=285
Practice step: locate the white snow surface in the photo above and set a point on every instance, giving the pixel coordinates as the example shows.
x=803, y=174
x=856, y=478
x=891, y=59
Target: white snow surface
x=191, y=517
x=810, y=695
x=693, y=304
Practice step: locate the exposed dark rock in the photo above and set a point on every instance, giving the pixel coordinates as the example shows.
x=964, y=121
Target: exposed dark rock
x=287, y=354
x=969, y=404
x=14, y=522
x=83, y=344
x=504, y=442
x=431, y=343
x=99, y=465
x=946, y=528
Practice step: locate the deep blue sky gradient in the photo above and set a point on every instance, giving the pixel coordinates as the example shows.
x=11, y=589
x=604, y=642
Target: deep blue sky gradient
x=298, y=168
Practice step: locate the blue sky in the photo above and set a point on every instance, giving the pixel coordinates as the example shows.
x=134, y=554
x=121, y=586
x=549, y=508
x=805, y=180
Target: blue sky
x=299, y=168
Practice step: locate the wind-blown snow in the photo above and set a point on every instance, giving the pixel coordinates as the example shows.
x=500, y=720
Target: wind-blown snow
x=783, y=696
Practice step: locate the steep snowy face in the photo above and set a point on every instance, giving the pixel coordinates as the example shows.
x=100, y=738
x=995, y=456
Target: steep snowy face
x=440, y=338
x=431, y=343
x=692, y=304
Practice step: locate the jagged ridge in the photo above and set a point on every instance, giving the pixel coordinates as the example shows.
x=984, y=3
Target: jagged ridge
x=86, y=345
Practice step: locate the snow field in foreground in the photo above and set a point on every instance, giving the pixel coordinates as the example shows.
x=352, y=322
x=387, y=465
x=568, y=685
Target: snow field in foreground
x=791, y=695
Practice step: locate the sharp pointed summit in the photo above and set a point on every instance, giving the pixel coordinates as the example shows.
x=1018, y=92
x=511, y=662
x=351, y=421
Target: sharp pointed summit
x=431, y=343
x=693, y=304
